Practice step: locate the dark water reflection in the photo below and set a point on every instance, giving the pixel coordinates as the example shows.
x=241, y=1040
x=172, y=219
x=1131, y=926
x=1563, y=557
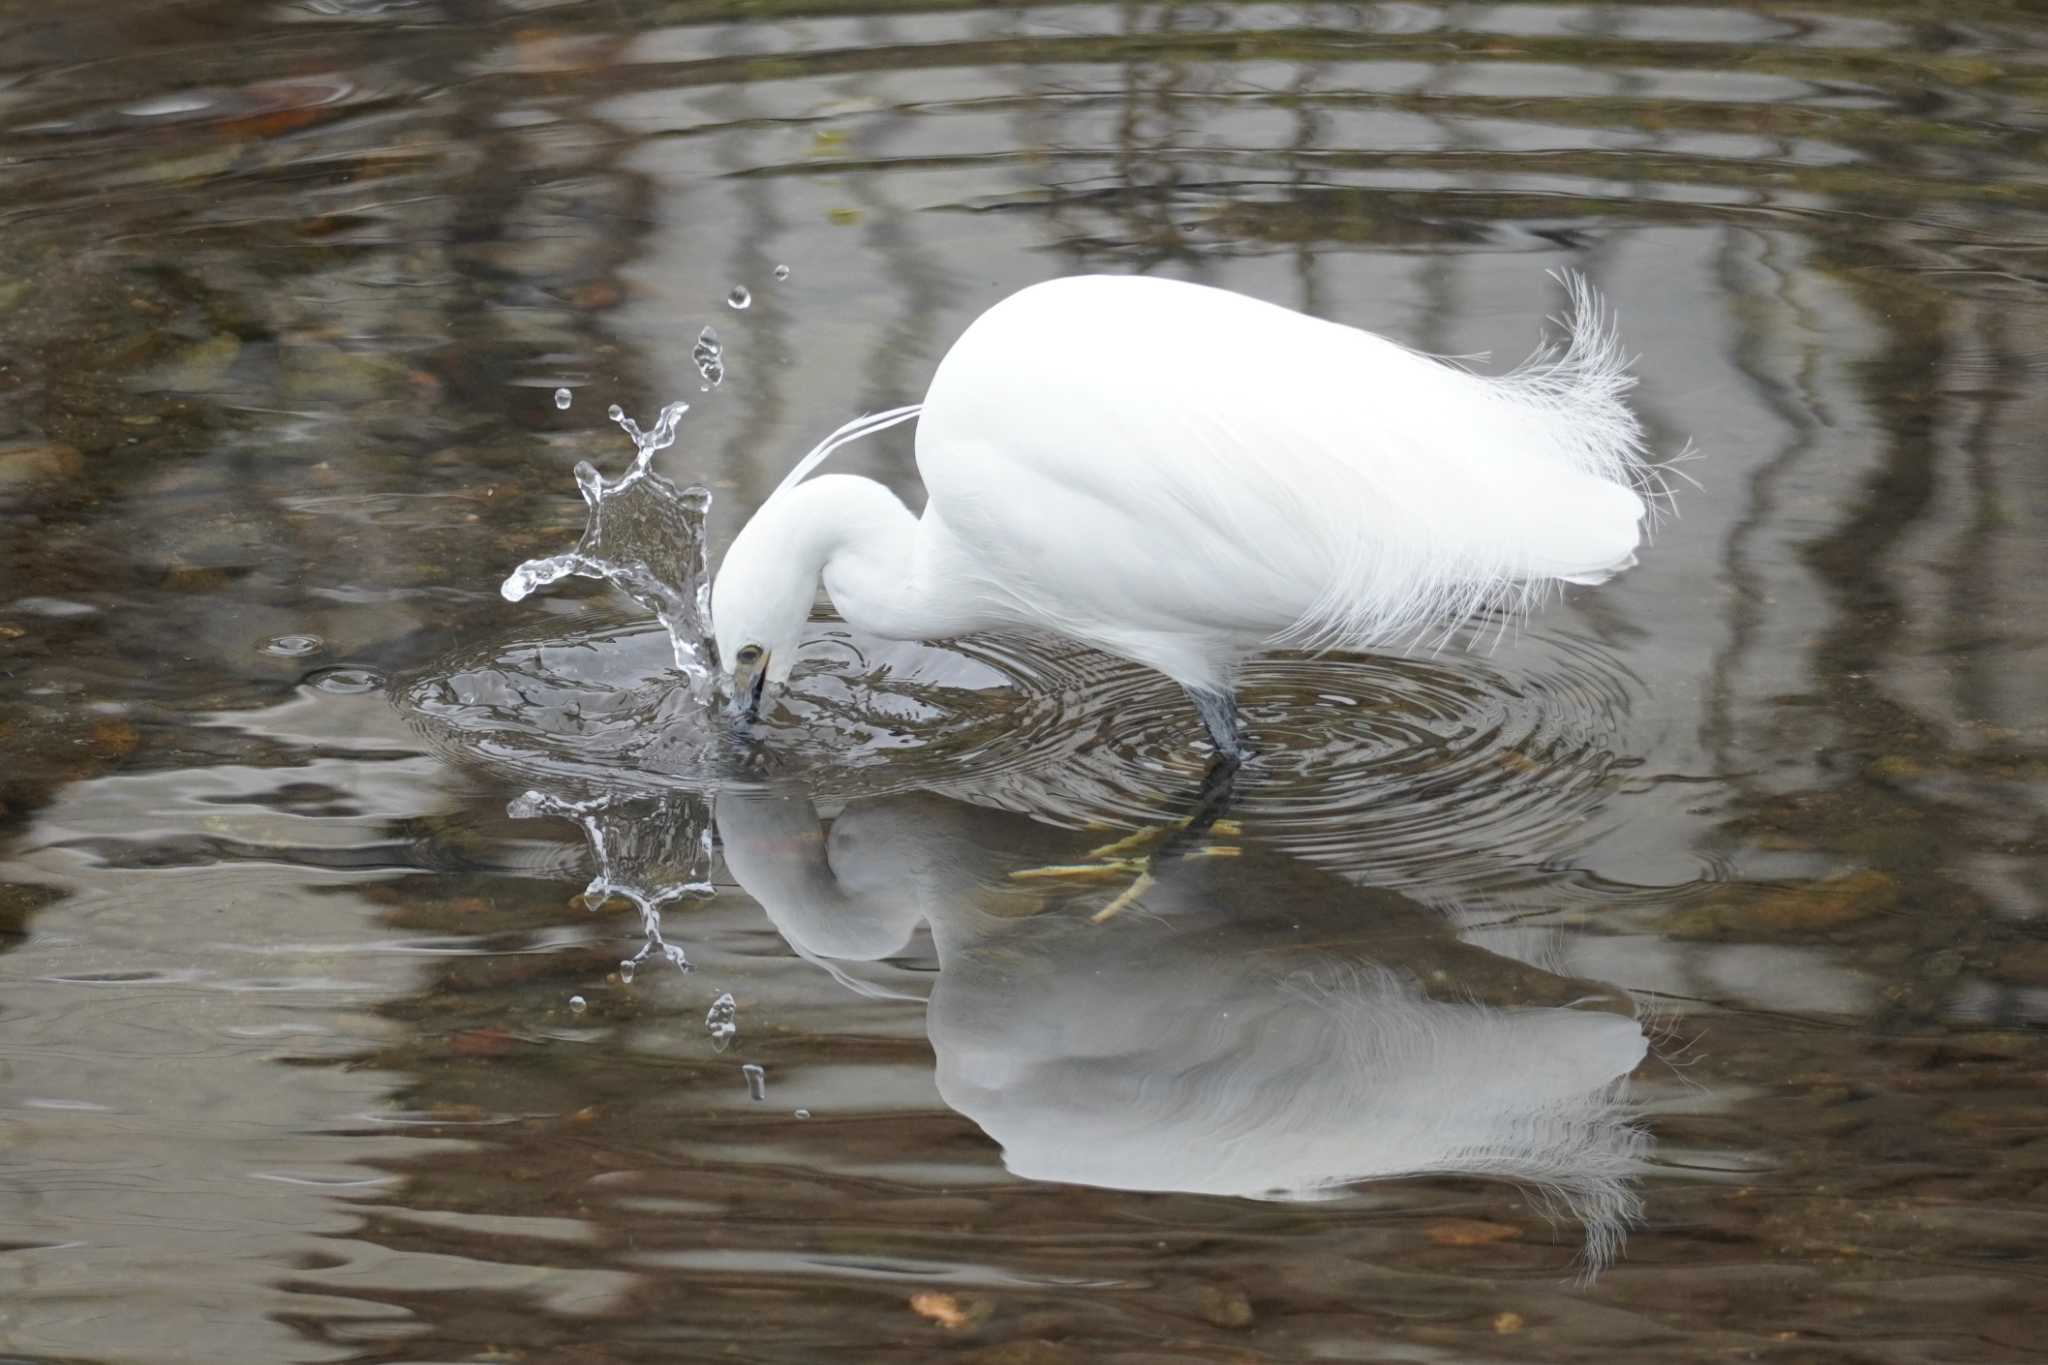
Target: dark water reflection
x=288, y=1065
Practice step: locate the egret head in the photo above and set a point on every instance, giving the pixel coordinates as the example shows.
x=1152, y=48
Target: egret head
x=759, y=602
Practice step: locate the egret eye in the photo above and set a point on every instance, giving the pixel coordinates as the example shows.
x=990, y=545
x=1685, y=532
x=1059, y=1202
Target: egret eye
x=749, y=656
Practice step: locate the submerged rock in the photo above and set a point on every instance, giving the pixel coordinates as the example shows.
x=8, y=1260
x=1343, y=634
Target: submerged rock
x=26, y=464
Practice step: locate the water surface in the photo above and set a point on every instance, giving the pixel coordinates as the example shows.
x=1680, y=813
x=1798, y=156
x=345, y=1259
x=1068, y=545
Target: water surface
x=1706, y=911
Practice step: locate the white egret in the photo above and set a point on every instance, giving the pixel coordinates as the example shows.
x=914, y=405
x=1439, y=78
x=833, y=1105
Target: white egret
x=1183, y=476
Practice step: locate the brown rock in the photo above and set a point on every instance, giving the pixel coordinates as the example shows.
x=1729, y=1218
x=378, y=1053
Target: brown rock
x=1469, y=1232
x=1750, y=910
x=24, y=463
x=1225, y=1305
x=115, y=738
x=2026, y=964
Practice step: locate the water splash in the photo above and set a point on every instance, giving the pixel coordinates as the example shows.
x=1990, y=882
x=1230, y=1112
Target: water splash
x=345, y=682
x=563, y=398
x=740, y=297
x=644, y=536
x=710, y=358
x=757, y=1081
x=781, y=272
x=723, y=1020
x=650, y=851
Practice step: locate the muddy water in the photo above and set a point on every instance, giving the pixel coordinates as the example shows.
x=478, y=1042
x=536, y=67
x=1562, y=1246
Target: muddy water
x=1693, y=935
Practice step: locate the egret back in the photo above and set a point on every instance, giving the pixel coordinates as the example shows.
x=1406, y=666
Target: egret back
x=1147, y=463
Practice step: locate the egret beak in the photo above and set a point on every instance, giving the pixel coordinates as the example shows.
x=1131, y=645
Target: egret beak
x=748, y=682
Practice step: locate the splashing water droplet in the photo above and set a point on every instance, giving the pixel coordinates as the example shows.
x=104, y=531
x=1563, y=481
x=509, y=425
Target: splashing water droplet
x=293, y=646
x=627, y=966
x=644, y=536
x=740, y=297
x=723, y=1020
x=757, y=1081
x=803, y=1113
x=615, y=412
x=577, y=1004
x=710, y=358
x=563, y=398
x=781, y=272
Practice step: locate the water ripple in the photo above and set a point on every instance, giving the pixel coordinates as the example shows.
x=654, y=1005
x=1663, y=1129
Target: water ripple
x=1394, y=765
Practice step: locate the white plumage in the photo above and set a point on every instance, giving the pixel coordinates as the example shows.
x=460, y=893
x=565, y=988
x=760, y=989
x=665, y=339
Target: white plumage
x=1182, y=476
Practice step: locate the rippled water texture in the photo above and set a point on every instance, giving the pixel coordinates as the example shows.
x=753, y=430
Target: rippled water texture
x=1662, y=981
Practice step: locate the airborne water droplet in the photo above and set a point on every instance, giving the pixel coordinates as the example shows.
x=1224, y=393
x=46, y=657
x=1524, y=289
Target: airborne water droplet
x=615, y=412
x=803, y=1113
x=563, y=398
x=740, y=297
x=626, y=968
x=757, y=1081
x=577, y=1004
x=710, y=358
x=781, y=272
x=723, y=1020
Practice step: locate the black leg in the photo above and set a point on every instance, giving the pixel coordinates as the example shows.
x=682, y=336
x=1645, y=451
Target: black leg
x=1212, y=802
x=1219, y=784
x=1219, y=718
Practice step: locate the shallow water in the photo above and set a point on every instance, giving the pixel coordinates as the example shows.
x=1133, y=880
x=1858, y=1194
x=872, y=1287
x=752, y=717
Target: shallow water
x=297, y=815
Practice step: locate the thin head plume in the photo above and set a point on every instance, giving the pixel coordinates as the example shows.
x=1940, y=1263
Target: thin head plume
x=852, y=431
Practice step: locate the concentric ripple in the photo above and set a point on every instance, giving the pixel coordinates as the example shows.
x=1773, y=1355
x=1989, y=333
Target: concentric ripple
x=1461, y=763
x=1393, y=767
x=603, y=709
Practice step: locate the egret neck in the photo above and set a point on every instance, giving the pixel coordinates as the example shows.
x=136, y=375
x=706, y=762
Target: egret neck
x=889, y=574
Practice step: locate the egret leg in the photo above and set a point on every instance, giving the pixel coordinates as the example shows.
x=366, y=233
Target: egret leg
x=1219, y=718
x=1212, y=799
x=1183, y=838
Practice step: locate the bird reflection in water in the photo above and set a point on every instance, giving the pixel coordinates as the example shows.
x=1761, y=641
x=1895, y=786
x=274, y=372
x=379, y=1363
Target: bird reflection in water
x=1259, y=1028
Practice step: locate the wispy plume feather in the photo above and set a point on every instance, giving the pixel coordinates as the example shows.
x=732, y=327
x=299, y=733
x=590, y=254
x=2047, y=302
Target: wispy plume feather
x=1535, y=478
x=852, y=431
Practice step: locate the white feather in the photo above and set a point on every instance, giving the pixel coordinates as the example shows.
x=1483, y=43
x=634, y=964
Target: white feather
x=852, y=431
x=1156, y=465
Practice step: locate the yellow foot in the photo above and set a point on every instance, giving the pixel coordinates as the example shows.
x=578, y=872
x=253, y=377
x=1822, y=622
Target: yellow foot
x=1135, y=840
x=1115, y=867
x=1115, y=860
x=1124, y=898
x=1152, y=834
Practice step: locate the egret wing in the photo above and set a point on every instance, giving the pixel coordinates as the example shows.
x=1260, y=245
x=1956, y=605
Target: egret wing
x=1130, y=454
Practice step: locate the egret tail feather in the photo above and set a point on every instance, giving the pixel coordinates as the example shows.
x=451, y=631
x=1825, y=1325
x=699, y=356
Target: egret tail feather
x=1534, y=478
